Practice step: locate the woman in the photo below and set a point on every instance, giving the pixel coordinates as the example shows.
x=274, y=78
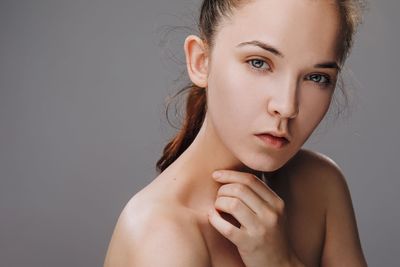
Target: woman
x=263, y=75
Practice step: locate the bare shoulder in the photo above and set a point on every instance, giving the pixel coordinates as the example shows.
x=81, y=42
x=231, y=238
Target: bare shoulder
x=315, y=163
x=314, y=173
x=321, y=177
x=342, y=246
x=156, y=234
x=327, y=174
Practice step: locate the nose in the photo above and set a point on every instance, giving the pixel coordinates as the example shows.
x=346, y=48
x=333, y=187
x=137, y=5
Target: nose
x=283, y=101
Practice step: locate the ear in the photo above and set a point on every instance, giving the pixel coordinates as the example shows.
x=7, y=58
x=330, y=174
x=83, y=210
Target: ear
x=196, y=60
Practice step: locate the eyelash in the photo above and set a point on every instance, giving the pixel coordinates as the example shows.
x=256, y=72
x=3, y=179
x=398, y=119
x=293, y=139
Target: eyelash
x=323, y=84
x=309, y=77
x=258, y=69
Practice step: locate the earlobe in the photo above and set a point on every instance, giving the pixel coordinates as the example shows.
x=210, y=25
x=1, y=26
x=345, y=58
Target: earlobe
x=196, y=60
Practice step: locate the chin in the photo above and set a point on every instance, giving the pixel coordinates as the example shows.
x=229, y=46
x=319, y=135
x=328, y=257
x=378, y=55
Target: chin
x=265, y=165
x=267, y=162
x=272, y=167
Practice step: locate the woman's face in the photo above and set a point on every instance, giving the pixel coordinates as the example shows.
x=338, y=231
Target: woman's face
x=272, y=68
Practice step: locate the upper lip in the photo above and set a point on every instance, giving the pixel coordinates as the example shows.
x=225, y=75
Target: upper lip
x=277, y=134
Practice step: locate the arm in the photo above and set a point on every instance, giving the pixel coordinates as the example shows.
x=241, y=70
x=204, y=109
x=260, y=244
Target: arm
x=342, y=245
x=155, y=239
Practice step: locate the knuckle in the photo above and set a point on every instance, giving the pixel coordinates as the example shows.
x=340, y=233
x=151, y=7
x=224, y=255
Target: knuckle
x=270, y=218
x=235, y=204
x=239, y=189
x=249, y=180
x=273, y=219
x=228, y=231
x=280, y=206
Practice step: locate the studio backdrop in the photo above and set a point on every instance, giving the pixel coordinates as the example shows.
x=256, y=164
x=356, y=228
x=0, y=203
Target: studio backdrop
x=83, y=85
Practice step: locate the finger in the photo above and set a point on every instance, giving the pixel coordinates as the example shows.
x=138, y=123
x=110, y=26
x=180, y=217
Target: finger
x=253, y=201
x=234, y=206
x=252, y=181
x=226, y=229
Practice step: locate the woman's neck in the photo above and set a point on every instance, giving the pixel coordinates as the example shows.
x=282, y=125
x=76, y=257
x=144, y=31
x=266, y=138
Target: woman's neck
x=191, y=172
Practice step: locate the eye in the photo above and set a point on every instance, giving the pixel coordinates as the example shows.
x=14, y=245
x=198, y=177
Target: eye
x=322, y=79
x=259, y=64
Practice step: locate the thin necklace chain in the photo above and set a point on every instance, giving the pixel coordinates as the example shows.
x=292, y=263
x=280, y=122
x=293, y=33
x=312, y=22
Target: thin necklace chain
x=265, y=180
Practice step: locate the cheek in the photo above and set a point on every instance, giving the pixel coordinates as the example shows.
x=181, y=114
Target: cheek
x=230, y=101
x=314, y=105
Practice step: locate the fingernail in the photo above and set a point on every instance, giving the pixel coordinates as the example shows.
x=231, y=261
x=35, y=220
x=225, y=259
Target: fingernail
x=216, y=174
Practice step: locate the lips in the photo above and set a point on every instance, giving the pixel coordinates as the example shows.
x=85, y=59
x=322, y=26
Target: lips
x=272, y=140
x=277, y=134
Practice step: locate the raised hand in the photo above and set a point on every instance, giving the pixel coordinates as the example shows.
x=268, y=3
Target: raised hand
x=262, y=239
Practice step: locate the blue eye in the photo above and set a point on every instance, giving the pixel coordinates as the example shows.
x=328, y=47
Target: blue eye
x=324, y=80
x=258, y=64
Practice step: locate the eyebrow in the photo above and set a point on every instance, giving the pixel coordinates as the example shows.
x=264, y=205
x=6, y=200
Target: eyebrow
x=327, y=65
x=263, y=45
x=275, y=51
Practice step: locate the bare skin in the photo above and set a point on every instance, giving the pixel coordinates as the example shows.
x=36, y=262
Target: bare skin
x=310, y=184
x=251, y=90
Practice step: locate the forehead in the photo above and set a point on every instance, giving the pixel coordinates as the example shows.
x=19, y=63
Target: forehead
x=306, y=27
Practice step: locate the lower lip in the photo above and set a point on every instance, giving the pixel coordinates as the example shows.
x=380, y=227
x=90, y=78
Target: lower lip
x=277, y=142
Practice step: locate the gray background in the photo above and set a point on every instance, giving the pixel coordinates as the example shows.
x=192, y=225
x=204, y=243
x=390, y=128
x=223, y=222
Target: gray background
x=82, y=88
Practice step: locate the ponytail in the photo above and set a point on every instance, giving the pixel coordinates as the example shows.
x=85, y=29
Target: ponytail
x=194, y=117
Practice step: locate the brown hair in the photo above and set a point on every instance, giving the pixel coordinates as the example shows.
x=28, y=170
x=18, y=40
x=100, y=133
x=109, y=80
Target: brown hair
x=211, y=12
